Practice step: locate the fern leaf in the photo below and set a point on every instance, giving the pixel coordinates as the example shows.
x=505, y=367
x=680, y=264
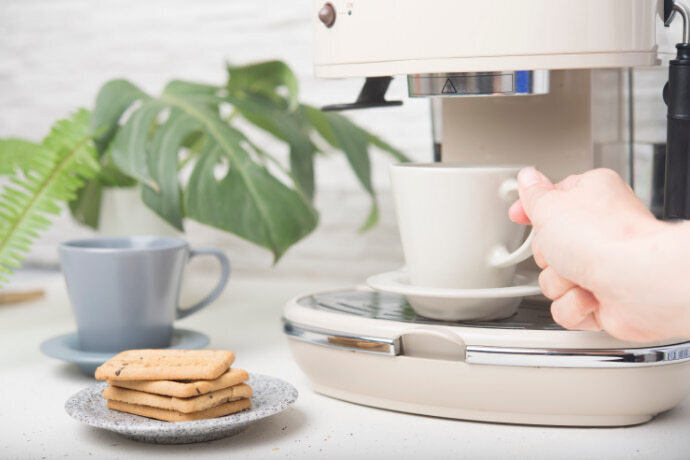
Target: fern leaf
x=20, y=154
x=63, y=162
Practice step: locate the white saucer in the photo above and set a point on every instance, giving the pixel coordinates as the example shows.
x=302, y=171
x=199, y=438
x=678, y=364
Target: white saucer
x=458, y=304
x=66, y=347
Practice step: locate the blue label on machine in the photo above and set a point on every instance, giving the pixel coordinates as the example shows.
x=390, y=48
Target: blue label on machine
x=522, y=81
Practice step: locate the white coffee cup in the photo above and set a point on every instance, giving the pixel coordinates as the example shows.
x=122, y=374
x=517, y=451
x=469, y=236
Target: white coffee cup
x=454, y=224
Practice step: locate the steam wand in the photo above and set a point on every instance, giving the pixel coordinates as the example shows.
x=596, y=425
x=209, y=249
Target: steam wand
x=677, y=98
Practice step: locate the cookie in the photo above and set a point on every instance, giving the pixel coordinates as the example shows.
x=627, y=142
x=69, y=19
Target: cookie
x=184, y=405
x=174, y=416
x=184, y=389
x=166, y=365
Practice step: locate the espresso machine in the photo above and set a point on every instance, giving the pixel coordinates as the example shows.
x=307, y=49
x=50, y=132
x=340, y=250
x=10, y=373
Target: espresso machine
x=540, y=82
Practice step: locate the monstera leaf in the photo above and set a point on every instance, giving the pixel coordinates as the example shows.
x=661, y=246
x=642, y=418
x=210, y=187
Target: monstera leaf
x=247, y=200
x=234, y=185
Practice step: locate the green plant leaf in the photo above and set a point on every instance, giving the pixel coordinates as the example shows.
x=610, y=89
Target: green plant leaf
x=381, y=145
x=372, y=218
x=197, y=93
x=193, y=141
x=162, y=162
x=266, y=78
x=86, y=207
x=130, y=145
x=111, y=175
x=355, y=143
x=302, y=168
x=266, y=212
x=350, y=140
x=286, y=126
x=319, y=120
x=23, y=155
x=68, y=159
x=112, y=101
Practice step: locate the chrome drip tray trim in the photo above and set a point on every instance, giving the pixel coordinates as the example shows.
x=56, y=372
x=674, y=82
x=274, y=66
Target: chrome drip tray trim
x=339, y=340
x=578, y=358
x=502, y=356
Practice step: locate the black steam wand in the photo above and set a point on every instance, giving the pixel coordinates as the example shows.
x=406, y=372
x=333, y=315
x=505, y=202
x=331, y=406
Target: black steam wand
x=677, y=98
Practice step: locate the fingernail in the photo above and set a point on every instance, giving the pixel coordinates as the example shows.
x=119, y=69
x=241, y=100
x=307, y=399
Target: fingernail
x=529, y=176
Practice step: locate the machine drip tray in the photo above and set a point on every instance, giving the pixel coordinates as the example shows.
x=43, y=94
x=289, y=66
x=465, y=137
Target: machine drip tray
x=533, y=313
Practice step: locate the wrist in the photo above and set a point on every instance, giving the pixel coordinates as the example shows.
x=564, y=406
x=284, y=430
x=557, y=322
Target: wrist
x=671, y=257
x=653, y=273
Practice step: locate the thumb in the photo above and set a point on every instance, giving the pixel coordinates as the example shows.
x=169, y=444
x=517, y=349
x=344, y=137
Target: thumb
x=532, y=186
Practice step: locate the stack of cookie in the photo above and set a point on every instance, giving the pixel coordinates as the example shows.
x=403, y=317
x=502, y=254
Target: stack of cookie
x=175, y=385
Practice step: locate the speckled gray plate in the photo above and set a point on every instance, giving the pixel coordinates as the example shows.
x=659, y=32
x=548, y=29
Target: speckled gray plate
x=271, y=395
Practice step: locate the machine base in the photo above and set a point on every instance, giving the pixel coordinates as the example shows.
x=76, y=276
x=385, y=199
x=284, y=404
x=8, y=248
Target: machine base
x=503, y=394
x=370, y=348
x=485, y=416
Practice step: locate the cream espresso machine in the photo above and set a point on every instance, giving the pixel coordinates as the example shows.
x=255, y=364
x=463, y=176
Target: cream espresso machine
x=542, y=82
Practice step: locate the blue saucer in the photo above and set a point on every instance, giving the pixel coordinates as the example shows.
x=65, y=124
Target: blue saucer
x=66, y=348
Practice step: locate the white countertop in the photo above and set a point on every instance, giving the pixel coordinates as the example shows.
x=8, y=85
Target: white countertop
x=33, y=389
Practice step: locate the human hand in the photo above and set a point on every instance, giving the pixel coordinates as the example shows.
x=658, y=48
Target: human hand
x=606, y=262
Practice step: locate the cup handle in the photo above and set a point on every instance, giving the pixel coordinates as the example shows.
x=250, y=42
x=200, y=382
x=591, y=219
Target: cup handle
x=500, y=257
x=224, y=275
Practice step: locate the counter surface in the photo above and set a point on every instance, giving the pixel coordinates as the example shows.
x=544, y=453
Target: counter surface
x=246, y=319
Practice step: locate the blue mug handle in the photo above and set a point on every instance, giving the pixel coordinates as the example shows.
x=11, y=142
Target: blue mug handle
x=224, y=275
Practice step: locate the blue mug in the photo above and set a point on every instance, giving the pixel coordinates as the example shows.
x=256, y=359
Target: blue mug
x=125, y=291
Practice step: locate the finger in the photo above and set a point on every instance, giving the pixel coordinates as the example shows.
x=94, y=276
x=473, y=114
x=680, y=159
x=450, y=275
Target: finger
x=590, y=323
x=552, y=284
x=517, y=214
x=532, y=186
x=573, y=307
x=538, y=257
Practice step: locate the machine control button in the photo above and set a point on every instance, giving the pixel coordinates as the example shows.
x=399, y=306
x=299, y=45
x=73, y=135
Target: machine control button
x=327, y=14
